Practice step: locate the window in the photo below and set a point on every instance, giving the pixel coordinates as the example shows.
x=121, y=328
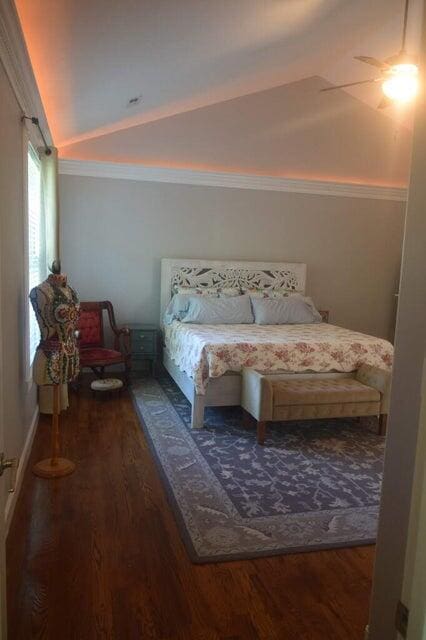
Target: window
x=36, y=262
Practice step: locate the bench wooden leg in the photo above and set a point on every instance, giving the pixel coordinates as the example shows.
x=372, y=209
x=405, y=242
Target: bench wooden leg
x=261, y=428
x=383, y=419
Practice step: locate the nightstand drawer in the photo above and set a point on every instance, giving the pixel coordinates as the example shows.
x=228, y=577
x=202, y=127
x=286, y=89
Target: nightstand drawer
x=143, y=342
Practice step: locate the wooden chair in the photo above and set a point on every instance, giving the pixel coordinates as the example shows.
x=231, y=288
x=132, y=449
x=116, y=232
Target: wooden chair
x=94, y=354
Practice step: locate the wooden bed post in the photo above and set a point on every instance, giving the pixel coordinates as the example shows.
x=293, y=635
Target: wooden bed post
x=197, y=413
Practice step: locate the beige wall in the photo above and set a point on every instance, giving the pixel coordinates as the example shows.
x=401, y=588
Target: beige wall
x=19, y=397
x=114, y=233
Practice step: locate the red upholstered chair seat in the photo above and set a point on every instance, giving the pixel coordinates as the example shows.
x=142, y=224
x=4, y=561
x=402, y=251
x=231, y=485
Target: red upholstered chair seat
x=97, y=355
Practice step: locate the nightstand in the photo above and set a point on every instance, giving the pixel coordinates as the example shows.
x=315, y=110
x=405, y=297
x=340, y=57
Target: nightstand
x=143, y=348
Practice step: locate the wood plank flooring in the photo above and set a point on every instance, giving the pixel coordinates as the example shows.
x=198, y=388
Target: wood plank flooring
x=98, y=555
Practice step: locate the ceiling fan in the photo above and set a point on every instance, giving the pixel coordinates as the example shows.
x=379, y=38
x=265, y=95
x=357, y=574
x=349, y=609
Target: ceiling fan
x=398, y=74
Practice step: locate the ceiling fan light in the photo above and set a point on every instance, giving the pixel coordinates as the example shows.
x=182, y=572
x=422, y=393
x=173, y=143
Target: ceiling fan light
x=401, y=83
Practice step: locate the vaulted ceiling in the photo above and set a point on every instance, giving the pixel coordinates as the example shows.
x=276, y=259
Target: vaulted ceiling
x=229, y=85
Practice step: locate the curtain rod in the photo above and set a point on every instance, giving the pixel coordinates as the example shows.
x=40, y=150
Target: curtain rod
x=35, y=121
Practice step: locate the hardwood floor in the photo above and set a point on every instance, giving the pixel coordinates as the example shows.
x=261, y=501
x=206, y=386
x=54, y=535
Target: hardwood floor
x=98, y=555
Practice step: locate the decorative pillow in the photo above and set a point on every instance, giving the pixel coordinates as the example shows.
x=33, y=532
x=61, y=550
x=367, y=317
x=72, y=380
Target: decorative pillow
x=229, y=292
x=197, y=291
x=208, y=310
x=269, y=293
x=292, y=310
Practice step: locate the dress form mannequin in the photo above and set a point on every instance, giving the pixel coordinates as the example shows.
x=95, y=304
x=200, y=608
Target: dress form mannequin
x=56, y=361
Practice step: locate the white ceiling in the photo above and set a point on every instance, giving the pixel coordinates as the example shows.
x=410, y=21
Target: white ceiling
x=90, y=57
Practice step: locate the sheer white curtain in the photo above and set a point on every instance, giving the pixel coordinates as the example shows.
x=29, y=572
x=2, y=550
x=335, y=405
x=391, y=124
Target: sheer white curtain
x=50, y=204
x=50, y=201
x=36, y=242
x=43, y=225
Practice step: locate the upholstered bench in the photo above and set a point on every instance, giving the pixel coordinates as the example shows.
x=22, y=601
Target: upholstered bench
x=279, y=396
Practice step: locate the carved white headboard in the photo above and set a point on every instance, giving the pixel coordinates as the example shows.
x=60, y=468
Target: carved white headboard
x=218, y=273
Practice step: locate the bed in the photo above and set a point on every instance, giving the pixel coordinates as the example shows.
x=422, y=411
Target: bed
x=206, y=360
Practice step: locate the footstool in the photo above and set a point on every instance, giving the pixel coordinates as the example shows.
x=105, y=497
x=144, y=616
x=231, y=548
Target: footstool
x=106, y=385
x=278, y=397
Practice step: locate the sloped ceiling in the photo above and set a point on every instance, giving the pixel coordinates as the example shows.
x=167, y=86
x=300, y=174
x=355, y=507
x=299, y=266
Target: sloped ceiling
x=226, y=85
x=290, y=131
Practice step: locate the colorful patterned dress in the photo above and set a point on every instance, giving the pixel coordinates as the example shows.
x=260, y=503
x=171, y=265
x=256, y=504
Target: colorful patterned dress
x=57, y=309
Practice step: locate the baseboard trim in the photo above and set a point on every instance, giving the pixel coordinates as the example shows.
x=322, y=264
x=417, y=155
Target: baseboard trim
x=122, y=171
x=23, y=461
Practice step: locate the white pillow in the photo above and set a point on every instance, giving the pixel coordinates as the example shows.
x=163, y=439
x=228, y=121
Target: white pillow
x=208, y=291
x=198, y=291
x=269, y=293
x=228, y=292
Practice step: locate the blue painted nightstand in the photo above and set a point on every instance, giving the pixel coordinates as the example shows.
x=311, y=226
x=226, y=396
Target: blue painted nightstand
x=143, y=348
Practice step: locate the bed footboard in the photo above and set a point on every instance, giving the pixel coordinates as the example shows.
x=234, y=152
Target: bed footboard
x=223, y=391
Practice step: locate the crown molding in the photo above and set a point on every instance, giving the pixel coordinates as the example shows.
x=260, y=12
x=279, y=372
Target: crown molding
x=95, y=169
x=16, y=61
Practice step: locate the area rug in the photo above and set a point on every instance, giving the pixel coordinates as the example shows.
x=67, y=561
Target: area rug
x=314, y=485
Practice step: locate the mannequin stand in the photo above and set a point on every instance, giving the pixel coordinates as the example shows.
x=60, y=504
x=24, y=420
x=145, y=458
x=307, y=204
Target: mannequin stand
x=54, y=467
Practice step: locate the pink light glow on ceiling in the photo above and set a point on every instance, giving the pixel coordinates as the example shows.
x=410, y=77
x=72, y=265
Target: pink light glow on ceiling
x=243, y=98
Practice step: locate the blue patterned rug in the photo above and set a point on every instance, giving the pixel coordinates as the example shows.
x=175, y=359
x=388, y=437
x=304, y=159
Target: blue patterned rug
x=314, y=485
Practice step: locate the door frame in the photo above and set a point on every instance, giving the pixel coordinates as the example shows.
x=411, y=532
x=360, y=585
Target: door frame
x=3, y=491
x=404, y=415
x=414, y=591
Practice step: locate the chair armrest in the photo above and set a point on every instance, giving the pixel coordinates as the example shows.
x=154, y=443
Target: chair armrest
x=119, y=332
x=121, y=335
x=379, y=379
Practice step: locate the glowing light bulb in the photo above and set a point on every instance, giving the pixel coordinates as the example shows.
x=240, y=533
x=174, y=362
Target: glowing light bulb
x=401, y=83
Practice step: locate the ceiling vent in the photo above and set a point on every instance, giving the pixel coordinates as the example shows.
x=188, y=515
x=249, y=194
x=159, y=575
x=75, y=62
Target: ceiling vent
x=134, y=101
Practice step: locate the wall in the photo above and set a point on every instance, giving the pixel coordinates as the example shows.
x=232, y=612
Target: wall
x=19, y=397
x=114, y=233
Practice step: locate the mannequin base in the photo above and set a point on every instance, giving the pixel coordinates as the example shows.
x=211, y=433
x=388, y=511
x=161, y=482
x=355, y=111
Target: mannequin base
x=45, y=468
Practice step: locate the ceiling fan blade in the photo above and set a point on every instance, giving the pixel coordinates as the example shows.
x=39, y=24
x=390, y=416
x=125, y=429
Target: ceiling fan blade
x=384, y=102
x=349, y=84
x=372, y=61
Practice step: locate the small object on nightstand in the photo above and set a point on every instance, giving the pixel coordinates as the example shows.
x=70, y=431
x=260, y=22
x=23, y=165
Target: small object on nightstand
x=325, y=314
x=143, y=348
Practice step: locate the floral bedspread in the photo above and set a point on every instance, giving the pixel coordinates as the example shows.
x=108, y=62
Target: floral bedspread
x=209, y=351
